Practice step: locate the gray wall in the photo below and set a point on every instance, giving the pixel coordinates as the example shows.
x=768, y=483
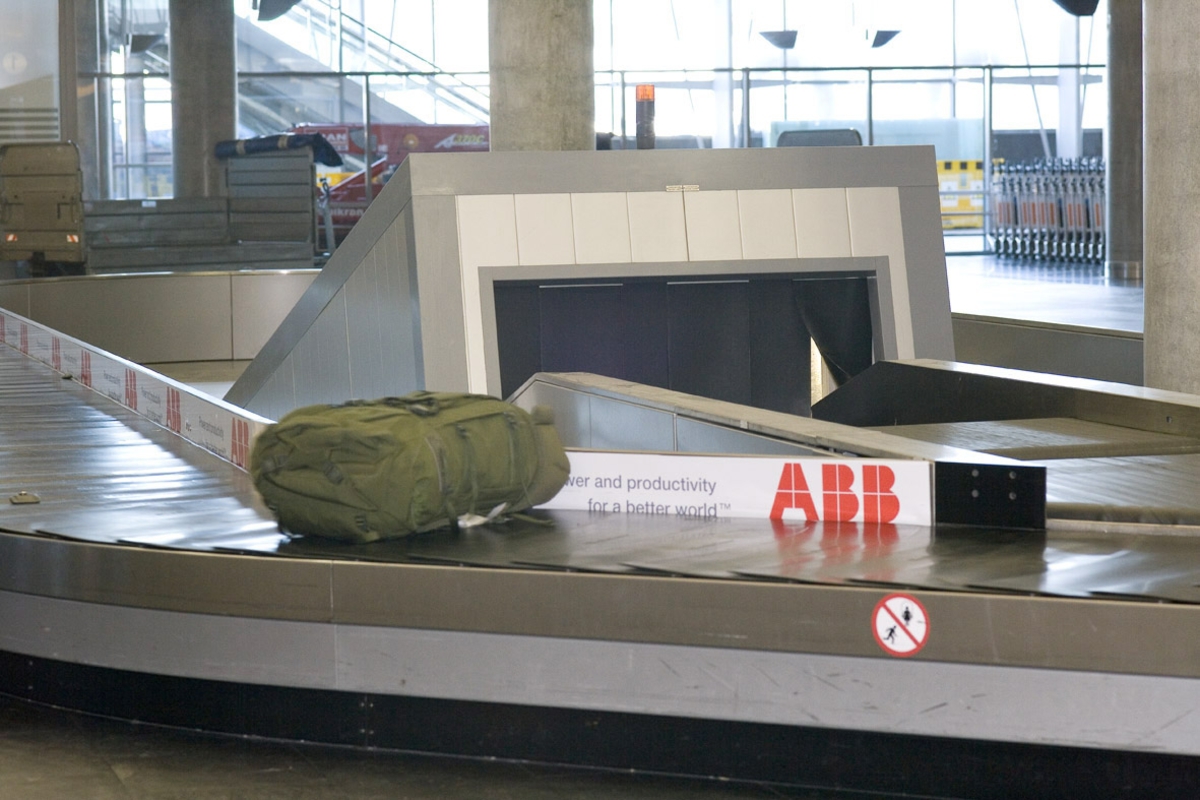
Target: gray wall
x=179, y=317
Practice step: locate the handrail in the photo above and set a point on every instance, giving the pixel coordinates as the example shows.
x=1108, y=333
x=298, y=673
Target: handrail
x=434, y=73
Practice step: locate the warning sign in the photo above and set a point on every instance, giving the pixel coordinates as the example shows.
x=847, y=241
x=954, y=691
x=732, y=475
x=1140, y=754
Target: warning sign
x=900, y=625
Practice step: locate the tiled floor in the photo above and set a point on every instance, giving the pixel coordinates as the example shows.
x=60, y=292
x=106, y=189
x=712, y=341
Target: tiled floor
x=53, y=755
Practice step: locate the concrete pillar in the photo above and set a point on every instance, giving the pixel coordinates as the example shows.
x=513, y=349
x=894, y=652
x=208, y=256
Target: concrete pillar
x=542, y=79
x=203, y=92
x=135, y=127
x=1172, y=184
x=1123, y=141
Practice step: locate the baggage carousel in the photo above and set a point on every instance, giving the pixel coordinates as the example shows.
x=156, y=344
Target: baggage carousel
x=141, y=577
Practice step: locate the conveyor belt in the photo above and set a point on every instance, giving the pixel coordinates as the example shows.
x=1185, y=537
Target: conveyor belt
x=106, y=475
x=150, y=583
x=1111, y=471
x=1052, y=438
x=1152, y=489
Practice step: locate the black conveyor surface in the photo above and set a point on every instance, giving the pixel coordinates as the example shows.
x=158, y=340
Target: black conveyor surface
x=105, y=475
x=1093, y=470
x=1047, y=438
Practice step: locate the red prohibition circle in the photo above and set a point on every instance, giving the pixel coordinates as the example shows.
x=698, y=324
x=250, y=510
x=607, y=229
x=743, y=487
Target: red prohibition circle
x=881, y=605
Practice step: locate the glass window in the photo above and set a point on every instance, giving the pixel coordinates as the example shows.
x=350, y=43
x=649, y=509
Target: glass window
x=29, y=71
x=365, y=36
x=134, y=53
x=426, y=62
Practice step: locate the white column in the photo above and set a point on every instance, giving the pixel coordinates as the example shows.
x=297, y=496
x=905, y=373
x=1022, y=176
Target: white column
x=1070, y=113
x=724, y=111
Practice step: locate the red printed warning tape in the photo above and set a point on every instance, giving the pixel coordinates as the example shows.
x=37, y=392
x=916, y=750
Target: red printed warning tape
x=223, y=429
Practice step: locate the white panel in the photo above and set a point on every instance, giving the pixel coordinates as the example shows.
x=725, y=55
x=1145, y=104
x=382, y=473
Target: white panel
x=713, y=230
x=397, y=345
x=545, y=233
x=601, y=228
x=487, y=237
x=487, y=230
x=281, y=389
x=876, y=230
x=364, y=320
x=768, y=224
x=656, y=227
x=822, y=227
x=322, y=356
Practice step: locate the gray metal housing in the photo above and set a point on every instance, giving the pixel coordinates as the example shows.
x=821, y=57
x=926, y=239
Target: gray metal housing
x=405, y=302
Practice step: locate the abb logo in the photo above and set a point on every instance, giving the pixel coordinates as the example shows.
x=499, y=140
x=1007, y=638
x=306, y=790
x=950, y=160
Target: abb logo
x=841, y=501
x=241, y=443
x=174, y=415
x=131, y=393
x=85, y=368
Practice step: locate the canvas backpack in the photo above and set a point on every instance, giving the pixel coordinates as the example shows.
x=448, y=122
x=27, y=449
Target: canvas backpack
x=368, y=470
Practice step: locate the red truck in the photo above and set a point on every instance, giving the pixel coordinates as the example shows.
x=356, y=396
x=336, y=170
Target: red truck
x=347, y=198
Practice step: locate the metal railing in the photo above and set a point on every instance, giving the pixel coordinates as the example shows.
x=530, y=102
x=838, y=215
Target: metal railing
x=869, y=83
x=970, y=102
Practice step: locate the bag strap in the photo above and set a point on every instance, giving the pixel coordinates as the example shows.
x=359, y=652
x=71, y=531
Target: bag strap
x=421, y=403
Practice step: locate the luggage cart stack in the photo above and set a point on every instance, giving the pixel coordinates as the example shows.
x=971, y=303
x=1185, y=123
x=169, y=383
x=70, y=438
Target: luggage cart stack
x=1051, y=210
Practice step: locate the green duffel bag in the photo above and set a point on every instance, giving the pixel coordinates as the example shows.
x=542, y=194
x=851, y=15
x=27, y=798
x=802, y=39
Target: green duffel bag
x=379, y=469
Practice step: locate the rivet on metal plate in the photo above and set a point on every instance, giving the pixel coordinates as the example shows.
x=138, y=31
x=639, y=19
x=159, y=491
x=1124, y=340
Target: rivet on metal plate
x=21, y=498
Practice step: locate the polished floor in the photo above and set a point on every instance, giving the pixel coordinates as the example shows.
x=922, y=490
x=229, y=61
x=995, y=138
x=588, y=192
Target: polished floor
x=46, y=754
x=1058, y=293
